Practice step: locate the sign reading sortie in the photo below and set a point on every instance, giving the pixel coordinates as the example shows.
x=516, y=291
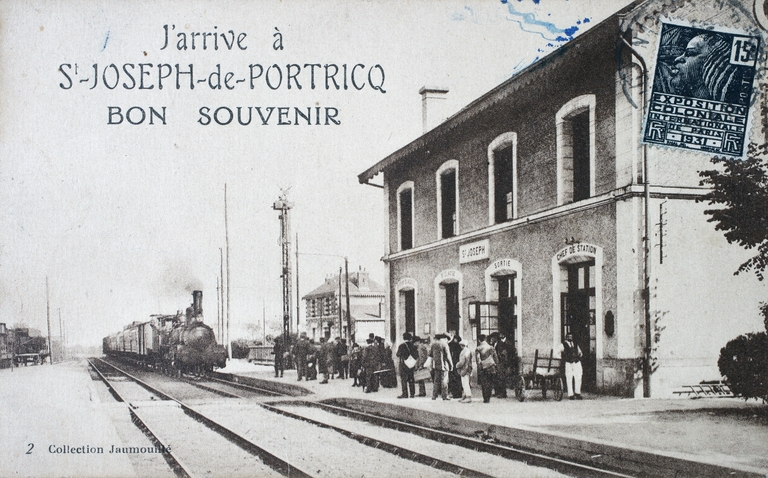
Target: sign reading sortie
x=575, y=250
x=474, y=251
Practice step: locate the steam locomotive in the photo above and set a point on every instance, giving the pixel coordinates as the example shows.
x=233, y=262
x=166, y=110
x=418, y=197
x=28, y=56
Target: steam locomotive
x=179, y=343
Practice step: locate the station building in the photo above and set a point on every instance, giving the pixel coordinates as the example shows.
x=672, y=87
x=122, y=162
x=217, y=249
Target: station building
x=525, y=213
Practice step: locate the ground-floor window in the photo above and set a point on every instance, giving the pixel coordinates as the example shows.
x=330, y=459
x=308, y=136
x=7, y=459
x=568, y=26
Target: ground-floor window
x=452, y=308
x=409, y=297
x=500, y=315
x=484, y=316
x=507, y=304
x=406, y=296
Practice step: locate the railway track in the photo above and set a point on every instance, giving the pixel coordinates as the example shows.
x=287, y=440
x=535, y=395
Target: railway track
x=444, y=452
x=180, y=421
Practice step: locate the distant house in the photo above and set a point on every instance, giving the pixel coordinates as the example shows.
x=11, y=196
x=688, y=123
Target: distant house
x=326, y=307
x=6, y=346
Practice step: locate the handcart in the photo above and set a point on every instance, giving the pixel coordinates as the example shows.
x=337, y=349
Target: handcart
x=546, y=374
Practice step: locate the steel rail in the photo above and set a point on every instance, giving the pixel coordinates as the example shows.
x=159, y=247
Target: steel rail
x=529, y=457
x=249, y=388
x=177, y=465
x=144, y=384
x=396, y=450
x=208, y=388
x=104, y=379
x=273, y=461
x=532, y=458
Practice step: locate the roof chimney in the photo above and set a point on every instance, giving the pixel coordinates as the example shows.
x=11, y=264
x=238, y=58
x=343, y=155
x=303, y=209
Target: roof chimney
x=432, y=106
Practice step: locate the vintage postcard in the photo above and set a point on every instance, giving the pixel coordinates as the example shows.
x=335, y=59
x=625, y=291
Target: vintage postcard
x=383, y=238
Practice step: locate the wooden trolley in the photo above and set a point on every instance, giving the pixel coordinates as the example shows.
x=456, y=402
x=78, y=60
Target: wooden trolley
x=546, y=374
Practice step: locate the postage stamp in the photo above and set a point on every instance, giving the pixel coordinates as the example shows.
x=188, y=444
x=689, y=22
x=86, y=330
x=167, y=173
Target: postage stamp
x=702, y=87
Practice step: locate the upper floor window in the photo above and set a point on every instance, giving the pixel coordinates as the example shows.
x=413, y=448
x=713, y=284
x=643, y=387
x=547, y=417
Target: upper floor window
x=576, y=150
x=405, y=215
x=448, y=199
x=329, y=306
x=502, y=178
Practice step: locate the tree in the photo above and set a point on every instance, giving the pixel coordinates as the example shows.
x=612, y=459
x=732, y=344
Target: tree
x=744, y=364
x=741, y=188
x=764, y=311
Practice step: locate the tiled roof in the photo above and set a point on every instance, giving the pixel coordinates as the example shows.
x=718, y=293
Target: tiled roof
x=331, y=287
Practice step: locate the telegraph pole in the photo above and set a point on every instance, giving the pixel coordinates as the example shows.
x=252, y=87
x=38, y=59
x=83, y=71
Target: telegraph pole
x=264, y=322
x=226, y=236
x=298, y=300
x=218, y=310
x=61, y=336
x=341, y=320
x=349, y=313
x=284, y=207
x=48, y=315
x=221, y=298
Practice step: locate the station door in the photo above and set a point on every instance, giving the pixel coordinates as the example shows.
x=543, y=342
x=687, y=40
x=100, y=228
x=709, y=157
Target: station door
x=578, y=316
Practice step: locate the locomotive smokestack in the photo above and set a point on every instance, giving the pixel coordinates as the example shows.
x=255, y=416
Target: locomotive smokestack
x=197, y=304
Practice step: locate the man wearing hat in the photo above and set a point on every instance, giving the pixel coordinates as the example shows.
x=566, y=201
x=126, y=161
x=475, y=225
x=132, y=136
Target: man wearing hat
x=278, y=349
x=505, y=350
x=409, y=357
x=300, y=352
x=442, y=364
x=371, y=363
x=571, y=354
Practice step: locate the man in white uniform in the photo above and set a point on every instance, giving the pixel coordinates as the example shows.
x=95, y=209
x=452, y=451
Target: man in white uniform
x=571, y=354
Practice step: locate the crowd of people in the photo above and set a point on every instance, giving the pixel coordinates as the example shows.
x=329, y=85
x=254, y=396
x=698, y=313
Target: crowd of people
x=446, y=360
x=369, y=367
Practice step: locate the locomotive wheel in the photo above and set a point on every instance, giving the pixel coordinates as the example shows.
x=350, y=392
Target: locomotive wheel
x=520, y=391
x=558, y=389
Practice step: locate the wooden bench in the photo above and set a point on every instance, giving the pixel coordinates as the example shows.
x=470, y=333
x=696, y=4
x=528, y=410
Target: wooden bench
x=711, y=389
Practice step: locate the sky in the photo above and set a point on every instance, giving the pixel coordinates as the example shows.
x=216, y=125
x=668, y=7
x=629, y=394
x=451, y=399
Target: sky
x=125, y=220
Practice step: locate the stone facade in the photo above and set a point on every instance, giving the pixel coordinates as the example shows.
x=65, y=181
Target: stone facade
x=559, y=145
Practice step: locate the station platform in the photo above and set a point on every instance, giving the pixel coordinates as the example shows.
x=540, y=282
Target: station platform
x=46, y=409
x=53, y=422
x=717, y=433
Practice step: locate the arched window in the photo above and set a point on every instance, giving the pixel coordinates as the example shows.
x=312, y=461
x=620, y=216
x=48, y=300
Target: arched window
x=406, y=306
x=405, y=215
x=448, y=298
x=502, y=178
x=447, y=178
x=576, y=150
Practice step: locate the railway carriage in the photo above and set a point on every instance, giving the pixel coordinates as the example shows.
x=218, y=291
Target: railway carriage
x=179, y=343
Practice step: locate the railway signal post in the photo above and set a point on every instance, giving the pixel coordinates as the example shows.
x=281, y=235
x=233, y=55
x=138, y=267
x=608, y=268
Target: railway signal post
x=284, y=207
